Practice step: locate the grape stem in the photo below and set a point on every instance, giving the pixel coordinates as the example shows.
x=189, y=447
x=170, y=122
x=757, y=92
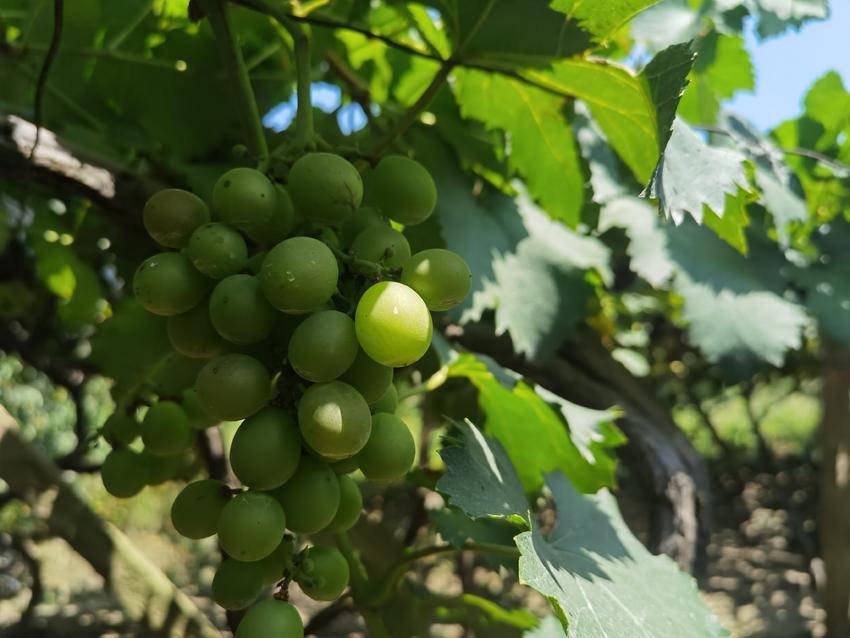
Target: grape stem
x=362, y=266
x=217, y=12
x=394, y=575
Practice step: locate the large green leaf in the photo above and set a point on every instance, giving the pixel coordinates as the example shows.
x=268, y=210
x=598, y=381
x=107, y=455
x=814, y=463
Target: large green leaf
x=542, y=148
x=537, y=428
x=602, y=18
x=620, y=103
x=550, y=627
x=692, y=175
x=602, y=581
x=665, y=75
x=734, y=305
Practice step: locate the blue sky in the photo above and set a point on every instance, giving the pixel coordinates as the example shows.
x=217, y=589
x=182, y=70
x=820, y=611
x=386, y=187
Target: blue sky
x=785, y=66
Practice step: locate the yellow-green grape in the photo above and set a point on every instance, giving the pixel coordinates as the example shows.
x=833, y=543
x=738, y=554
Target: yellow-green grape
x=120, y=429
x=403, y=190
x=198, y=419
x=239, y=310
x=251, y=526
x=345, y=466
x=363, y=218
x=350, y=505
x=299, y=275
x=334, y=419
x=271, y=618
x=324, y=573
x=217, y=250
x=168, y=284
x=197, y=509
x=266, y=449
x=233, y=387
x=323, y=346
x=382, y=245
x=393, y=324
x=162, y=468
x=192, y=333
x=441, y=277
x=244, y=197
x=310, y=497
x=389, y=453
x=273, y=565
x=171, y=215
x=282, y=223
x=166, y=429
x=236, y=584
x=388, y=402
x=124, y=473
x=325, y=187
x=368, y=377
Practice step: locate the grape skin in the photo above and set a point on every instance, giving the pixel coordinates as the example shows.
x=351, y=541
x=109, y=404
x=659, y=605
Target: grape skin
x=244, y=197
x=217, y=250
x=232, y=387
x=323, y=346
x=172, y=214
x=266, y=449
x=236, y=584
x=403, y=190
x=389, y=453
x=239, y=311
x=439, y=276
x=368, y=377
x=325, y=187
x=325, y=573
x=193, y=335
x=334, y=419
x=381, y=245
x=197, y=509
x=271, y=619
x=310, y=497
x=124, y=473
x=251, y=526
x=167, y=284
x=166, y=429
x=299, y=275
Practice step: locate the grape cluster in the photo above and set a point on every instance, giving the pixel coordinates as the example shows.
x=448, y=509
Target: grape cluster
x=303, y=301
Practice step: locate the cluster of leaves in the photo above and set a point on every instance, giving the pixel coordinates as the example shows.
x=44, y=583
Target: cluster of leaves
x=540, y=142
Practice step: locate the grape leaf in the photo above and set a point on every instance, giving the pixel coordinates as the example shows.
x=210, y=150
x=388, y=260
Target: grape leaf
x=733, y=305
x=602, y=18
x=828, y=103
x=777, y=16
x=530, y=423
x=731, y=226
x=542, y=150
x=691, y=174
x=480, y=478
x=620, y=103
x=550, y=627
x=605, y=178
x=665, y=75
x=666, y=23
x=601, y=580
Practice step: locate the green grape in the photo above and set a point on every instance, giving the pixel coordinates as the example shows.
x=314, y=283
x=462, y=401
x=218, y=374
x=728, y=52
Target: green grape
x=251, y=526
x=197, y=509
x=323, y=346
x=198, y=419
x=233, y=387
x=175, y=374
x=217, y=250
x=239, y=311
x=363, y=218
x=273, y=565
x=243, y=197
x=271, y=618
x=325, y=187
x=350, y=505
x=345, y=466
x=236, y=584
x=334, y=419
x=124, y=473
x=282, y=223
x=166, y=429
x=266, y=449
x=389, y=453
x=168, y=284
x=120, y=429
x=162, y=468
x=382, y=245
x=171, y=215
x=403, y=190
x=299, y=275
x=193, y=335
x=324, y=573
x=393, y=324
x=311, y=497
x=255, y=262
x=368, y=377
x=388, y=402
x=439, y=276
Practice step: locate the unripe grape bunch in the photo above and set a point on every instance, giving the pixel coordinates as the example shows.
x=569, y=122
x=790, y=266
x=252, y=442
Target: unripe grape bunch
x=302, y=302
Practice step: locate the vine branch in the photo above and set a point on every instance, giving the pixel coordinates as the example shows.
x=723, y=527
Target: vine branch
x=41, y=82
x=217, y=12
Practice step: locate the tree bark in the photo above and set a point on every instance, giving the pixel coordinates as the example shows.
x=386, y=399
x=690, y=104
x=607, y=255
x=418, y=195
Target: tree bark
x=145, y=594
x=834, y=524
